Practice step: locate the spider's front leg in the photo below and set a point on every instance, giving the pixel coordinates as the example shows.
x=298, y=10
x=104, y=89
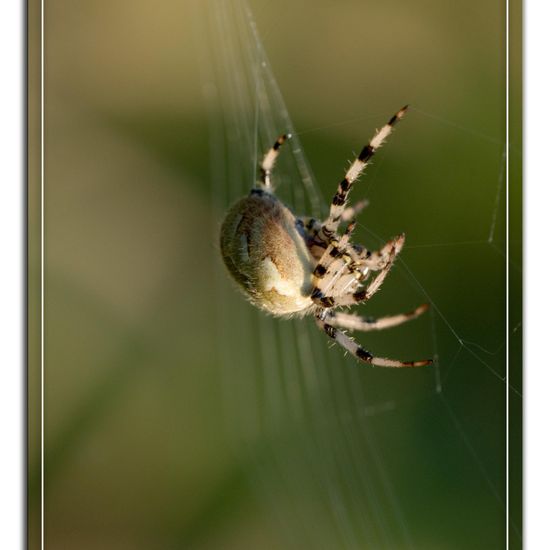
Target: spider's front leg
x=338, y=206
x=356, y=350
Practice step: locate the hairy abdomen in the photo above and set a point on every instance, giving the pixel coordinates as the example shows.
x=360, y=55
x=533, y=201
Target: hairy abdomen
x=266, y=255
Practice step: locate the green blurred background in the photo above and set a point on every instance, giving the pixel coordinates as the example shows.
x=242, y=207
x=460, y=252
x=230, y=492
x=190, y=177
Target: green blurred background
x=178, y=417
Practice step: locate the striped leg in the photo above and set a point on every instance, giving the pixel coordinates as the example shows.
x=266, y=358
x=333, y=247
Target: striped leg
x=339, y=201
x=334, y=250
x=330, y=271
x=362, y=295
x=321, y=294
x=318, y=242
x=357, y=351
x=351, y=212
x=311, y=228
x=375, y=261
x=365, y=324
x=268, y=162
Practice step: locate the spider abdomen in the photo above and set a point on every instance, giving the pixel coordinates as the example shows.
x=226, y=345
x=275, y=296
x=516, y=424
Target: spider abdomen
x=267, y=255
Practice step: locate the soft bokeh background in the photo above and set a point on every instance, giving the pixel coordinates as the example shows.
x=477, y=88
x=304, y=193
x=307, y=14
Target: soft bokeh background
x=176, y=417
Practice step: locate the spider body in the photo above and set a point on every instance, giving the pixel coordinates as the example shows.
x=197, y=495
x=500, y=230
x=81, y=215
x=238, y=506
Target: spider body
x=266, y=253
x=288, y=265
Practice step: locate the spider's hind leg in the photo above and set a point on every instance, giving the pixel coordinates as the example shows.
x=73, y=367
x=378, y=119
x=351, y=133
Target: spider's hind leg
x=357, y=351
x=365, y=324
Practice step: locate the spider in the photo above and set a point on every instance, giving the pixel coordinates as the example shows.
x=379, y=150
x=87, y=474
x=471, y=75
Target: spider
x=297, y=266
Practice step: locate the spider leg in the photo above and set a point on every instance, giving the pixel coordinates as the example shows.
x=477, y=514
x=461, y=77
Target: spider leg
x=351, y=212
x=337, y=207
x=317, y=242
x=355, y=349
x=268, y=162
x=330, y=268
x=350, y=298
x=365, y=324
x=367, y=293
x=379, y=258
x=311, y=227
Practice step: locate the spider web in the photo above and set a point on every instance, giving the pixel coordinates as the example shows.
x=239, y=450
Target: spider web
x=343, y=455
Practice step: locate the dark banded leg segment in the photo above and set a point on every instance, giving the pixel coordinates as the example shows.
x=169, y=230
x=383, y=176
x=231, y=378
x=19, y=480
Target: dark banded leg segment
x=333, y=267
x=268, y=162
x=312, y=228
x=377, y=260
x=359, y=296
x=365, y=324
x=360, y=353
x=338, y=205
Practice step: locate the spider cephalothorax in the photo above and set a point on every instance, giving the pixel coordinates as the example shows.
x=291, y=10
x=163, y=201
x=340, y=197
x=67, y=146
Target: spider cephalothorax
x=288, y=265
